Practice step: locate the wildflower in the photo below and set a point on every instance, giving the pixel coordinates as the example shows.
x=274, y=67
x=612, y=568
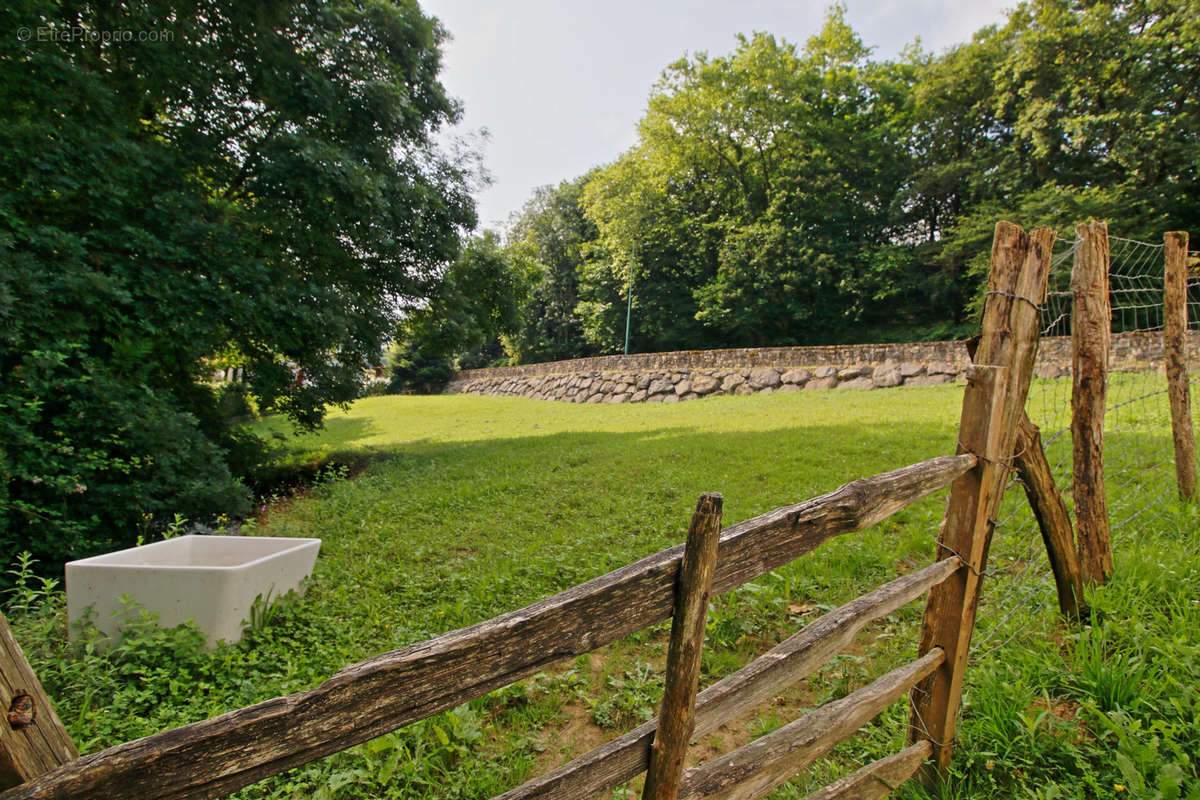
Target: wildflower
x=1120, y=787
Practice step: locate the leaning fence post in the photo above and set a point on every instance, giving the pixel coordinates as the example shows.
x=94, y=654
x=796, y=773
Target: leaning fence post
x=1091, y=327
x=1053, y=519
x=993, y=406
x=677, y=718
x=32, y=738
x=1175, y=348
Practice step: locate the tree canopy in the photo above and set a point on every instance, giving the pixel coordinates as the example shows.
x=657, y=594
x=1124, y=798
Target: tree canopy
x=783, y=194
x=257, y=181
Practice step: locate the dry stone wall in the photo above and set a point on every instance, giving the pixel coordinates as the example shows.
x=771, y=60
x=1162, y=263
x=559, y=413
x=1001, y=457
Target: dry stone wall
x=688, y=375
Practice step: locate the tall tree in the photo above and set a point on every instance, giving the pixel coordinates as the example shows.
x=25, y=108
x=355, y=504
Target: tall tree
x=239, y=176
x=551, y=236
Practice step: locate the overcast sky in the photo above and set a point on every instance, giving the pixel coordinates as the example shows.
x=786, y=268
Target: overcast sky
x=560, y=86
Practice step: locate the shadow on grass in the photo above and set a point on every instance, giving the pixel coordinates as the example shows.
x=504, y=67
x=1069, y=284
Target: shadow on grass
x=458, y=532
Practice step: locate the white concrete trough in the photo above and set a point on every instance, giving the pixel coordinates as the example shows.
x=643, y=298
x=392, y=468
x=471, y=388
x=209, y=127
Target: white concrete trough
x=212, y=580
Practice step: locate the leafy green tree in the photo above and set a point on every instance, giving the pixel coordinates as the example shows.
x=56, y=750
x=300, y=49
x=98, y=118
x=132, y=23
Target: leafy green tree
x=477, y=302
x=244, y=177
x=551, y=236
x=761, y=186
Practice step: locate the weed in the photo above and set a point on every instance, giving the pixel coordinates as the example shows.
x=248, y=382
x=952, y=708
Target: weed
x=632, y=697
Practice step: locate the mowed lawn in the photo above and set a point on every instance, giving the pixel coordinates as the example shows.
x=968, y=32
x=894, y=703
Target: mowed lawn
x=438, y=512
x=471, y=506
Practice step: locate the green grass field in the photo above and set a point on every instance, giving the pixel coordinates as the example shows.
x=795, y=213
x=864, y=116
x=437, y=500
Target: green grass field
x=449, y=510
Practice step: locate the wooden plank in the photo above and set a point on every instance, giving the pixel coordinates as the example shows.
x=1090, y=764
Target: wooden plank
x=879, y=778
x=1053, y=520
x=755, y=769
x=599, y=771
x=33, y=740
x=1175, y=348
x=217, y=756
x=993, y=405
x=677, y=718
x=1091, y=326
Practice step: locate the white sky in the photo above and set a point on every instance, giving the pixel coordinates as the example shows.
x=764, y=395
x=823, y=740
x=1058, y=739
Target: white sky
x=561, y=85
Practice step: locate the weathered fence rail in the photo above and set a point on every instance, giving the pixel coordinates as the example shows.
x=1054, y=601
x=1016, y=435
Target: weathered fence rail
x=624, y=758
x=217, y=756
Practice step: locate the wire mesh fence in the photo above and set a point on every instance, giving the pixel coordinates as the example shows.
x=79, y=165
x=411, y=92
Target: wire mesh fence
x=1140, y=483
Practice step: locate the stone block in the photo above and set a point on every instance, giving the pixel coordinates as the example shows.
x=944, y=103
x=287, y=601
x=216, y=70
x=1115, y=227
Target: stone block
x=763, y=377
x=683, y=387
x=732, y=381
x=887, y=376
x=929, y=380
x=703, y=384
x=853, y=372
x=910, y=369
x=660, y=386
x=795, y=376
x=1051, y=371
x=857, y=383
x=822, y=383
x=825, y=372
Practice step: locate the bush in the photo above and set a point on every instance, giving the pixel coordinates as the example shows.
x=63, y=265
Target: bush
x=89, y=463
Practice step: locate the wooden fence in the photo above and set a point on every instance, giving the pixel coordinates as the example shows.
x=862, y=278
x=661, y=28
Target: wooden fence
x=218, y=756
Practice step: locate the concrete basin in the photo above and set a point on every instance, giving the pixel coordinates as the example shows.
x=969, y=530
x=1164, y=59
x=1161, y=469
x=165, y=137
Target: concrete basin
x=212, y=580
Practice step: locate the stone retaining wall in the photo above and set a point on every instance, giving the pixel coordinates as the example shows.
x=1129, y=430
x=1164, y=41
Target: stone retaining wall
x=686, y=375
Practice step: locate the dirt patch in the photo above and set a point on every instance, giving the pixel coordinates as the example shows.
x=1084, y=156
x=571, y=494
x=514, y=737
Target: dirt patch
x=575, y=735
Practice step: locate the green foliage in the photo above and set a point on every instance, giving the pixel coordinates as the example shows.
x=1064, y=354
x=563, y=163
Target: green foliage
x=781, y=194
x=477, y=302
x=256, y=184
x=1051, y=714
x=633, y=697
x=551, y=238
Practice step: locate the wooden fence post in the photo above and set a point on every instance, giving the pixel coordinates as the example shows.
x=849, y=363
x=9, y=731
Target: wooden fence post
x=993, y=406
x=32, y=738
x=677, y=718
x=1175, y=347
x=1053, y=520
x=1090, y=338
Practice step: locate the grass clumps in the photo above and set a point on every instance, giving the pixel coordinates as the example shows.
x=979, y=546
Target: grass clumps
x=451, y=510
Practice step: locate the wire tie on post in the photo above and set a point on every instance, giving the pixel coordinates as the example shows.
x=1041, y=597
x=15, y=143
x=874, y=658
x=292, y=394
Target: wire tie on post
x=1037, y=306
x=959, y=556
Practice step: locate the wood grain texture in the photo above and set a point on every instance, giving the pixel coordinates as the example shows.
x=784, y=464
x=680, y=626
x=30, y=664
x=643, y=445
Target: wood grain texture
x=598, y=772
x=217, y=756
x=1175, y=318
x=33, y=740
x=678, y=715
x=755, y=769
x=993, y=405
x=1091, y=326
x=1053, y=520
x=879, y=778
